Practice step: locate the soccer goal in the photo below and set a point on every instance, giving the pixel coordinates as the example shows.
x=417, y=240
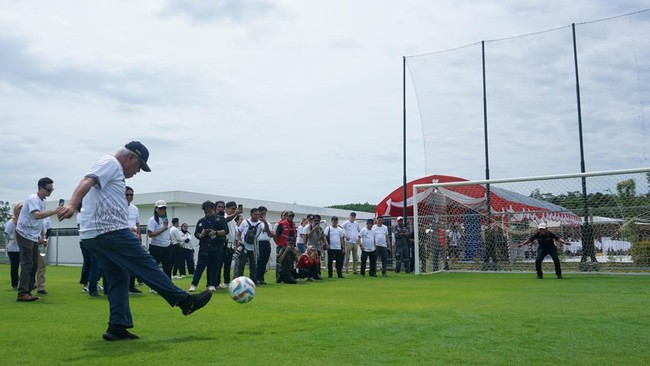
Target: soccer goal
x=477, y=225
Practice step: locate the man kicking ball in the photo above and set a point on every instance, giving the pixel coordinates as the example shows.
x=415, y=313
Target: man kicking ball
x=104, y=231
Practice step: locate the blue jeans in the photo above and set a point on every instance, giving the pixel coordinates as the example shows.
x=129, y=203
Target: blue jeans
x=120, y=254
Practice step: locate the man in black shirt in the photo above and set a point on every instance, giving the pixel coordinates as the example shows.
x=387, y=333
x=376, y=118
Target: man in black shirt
x=546, y=240
x=211, y=231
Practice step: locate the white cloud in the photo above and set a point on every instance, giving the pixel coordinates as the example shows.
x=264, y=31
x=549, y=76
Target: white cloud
x=309, y=92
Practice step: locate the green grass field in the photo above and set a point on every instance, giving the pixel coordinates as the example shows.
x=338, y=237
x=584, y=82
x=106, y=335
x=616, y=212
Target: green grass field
x=442, y=319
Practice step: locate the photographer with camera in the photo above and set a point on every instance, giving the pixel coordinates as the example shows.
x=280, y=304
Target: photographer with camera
x=314, y=235
x=286, y=261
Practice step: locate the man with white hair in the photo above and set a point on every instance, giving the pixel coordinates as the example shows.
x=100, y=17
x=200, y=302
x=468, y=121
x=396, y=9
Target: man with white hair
x=546, y=240
x=104, y=230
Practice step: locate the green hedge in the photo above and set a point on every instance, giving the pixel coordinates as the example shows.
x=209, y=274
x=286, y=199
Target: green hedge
x=641, y=253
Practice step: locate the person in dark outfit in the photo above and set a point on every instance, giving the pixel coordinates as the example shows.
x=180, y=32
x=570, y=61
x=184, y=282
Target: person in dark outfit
x=546, y=240
x=495, y=245
x=211, y=231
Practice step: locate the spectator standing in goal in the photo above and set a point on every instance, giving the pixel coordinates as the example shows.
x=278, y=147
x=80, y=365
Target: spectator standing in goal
x=494, y=240
x=546, y=240
x=402, y=235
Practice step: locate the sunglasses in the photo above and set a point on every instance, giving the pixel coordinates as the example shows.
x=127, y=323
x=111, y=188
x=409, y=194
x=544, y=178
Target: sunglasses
x=129, y=194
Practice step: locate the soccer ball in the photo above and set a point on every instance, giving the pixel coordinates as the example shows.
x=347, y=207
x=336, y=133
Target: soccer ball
x=242, y=289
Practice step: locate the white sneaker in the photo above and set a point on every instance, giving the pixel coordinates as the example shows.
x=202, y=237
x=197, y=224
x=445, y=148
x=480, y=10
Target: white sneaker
x=152, y=291
x=212, y=288
x=223, y=285
x=175, y=277
x=192, y=289
x=84, y=289
x=100, y=287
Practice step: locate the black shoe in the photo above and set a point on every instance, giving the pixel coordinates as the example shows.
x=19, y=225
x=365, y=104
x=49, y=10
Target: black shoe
x=94, y=294
x=115, y=333
x=42, y=292
x=194, y=302
x=135, y=291
x=540, y=277
x=341, y=276
x=559, y=277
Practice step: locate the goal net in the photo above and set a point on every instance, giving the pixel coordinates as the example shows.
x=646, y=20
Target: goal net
x=477, y=225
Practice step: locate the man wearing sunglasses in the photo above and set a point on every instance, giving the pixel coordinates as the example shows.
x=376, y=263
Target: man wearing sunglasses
x=30, y=233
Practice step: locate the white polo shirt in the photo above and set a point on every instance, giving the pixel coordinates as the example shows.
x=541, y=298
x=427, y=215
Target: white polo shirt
x=28, y=226
x=381, y=233
x=104, y=208
x=351, y=231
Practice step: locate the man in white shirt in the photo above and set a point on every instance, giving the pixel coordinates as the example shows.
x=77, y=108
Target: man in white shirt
x=335, y=245
x=104, y=230
x=29, y=234
x=367, y=241
x=382, y=243
x=178, y=260
x=231, y=242
x=246, y=249
x=351, y=228
x=134, y=226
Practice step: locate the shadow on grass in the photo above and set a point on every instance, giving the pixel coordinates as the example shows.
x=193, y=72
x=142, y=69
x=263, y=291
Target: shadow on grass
x=100, y=349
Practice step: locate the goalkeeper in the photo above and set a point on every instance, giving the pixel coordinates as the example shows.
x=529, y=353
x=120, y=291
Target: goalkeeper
x=546, y=240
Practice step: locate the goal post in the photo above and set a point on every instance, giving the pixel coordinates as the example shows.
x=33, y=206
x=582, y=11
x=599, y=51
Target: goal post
x=477, y=225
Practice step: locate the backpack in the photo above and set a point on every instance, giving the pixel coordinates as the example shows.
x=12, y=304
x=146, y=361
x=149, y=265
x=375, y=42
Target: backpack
x=251, y=233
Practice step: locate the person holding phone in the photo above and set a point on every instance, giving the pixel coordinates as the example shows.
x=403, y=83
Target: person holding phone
x=158, y=231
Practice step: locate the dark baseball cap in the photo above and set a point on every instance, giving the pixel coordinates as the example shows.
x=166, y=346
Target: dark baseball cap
x=141, y=151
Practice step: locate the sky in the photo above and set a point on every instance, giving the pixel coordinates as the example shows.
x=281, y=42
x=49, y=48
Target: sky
x=291, y=101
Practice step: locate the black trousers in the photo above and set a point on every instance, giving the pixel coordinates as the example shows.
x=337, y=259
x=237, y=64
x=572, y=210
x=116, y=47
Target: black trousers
x=542, y=252
x=382, y=252
x=227, y=264
x=335, y=255
x=162, y=255
x=178, y=261
x=373, y=263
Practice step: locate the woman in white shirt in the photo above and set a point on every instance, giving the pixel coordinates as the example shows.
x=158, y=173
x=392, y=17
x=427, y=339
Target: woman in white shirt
x=157, y=230
x=12, y=247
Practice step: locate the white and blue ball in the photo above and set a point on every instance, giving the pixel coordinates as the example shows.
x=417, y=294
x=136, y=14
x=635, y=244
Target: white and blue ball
x=242, y=289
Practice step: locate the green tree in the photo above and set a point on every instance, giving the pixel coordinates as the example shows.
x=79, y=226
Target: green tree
x=5, y=215
x=362, y=207
x=627, y=192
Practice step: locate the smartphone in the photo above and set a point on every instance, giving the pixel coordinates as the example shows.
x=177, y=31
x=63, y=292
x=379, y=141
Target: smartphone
x=240, y=207
x=61, y=202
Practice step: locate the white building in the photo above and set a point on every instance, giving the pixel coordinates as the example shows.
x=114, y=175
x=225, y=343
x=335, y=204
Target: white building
x=186, y=206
